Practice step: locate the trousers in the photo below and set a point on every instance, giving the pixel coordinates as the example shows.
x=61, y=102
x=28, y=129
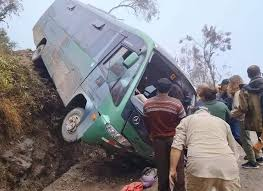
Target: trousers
x=211, y=184
x=162, y=149
x=247, y=144
x=235, y=129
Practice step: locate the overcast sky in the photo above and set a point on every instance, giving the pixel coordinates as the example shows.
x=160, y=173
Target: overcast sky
x=177, y=18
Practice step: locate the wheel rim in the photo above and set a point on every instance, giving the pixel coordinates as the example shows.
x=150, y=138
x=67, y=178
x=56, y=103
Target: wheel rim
x=72, y=123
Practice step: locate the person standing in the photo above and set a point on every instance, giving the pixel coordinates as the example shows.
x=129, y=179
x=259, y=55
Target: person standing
x=216, y=108
x=223, y=95
x=212, y=153
x=199, y=91
x=162, y=114
x=234, y=90
x=250, y=105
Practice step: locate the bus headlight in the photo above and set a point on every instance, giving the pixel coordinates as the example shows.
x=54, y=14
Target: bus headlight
x=117, y=136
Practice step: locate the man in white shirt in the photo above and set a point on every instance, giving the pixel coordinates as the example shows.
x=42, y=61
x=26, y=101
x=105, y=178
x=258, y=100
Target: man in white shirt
x=212, y=154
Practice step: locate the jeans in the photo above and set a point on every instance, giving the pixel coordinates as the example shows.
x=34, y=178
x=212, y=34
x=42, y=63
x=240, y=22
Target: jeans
x=162, y=149
x=247, y=144
x=235, y=128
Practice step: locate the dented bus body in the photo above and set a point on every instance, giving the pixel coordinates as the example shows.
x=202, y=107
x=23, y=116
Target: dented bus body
x=98, y=65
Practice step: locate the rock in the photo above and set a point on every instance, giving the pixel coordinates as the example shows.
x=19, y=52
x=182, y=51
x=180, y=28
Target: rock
x=39, y=154
x=18, y=157
x=18, y=164
x=26, y=146
x=39, y=170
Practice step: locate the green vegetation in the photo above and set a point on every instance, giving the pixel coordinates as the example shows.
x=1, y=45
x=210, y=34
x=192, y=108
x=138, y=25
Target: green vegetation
x=23, y=93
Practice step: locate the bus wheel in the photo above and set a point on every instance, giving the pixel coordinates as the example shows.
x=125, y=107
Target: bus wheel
x=71, y=123
x=36, y=57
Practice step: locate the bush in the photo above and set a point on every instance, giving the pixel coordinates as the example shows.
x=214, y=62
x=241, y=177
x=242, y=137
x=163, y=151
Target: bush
x=24, y=96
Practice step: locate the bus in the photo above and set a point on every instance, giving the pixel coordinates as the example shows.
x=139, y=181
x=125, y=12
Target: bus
x=99, y=66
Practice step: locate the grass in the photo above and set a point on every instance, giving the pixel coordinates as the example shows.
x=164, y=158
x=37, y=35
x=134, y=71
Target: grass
x=23, y=95
x=11, y=120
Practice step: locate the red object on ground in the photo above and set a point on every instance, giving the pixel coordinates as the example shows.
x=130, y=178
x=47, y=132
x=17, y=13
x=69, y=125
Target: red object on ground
x=258, y=146
x=135, y=186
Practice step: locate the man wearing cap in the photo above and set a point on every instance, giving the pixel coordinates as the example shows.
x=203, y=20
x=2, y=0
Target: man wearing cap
x=212, y=153
x=162, y=114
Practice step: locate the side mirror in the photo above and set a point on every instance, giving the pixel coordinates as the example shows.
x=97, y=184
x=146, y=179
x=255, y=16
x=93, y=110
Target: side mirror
x=130, y=60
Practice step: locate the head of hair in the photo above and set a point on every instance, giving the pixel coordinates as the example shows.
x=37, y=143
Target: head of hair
x=200, y=89
x=234, y=84
x=209, y=94
x=253, y=71
x=164, y=85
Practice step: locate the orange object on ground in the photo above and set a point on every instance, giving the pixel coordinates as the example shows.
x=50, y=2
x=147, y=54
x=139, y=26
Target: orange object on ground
x=258, y=146
x=135, y=186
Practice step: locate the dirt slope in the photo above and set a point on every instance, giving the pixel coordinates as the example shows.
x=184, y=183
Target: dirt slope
x=111, y=176
x=32, y=152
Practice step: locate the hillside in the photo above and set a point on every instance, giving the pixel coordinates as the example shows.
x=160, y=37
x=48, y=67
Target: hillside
x=32, y=151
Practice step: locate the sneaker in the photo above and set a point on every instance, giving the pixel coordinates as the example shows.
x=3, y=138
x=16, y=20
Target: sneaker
x=260, y=161
x=250, y=165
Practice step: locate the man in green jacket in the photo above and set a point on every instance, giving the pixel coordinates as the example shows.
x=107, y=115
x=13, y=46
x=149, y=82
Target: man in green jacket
x=216, y=108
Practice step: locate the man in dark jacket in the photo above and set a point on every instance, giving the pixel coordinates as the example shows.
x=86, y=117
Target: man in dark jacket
x=250, y=105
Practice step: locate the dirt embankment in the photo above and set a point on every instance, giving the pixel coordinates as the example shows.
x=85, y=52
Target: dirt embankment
x=32, y=151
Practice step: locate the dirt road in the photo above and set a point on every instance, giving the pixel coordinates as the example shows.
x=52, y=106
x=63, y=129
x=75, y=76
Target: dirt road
x=112, y=176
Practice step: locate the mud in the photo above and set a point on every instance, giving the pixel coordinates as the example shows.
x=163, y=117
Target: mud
x=113, y=175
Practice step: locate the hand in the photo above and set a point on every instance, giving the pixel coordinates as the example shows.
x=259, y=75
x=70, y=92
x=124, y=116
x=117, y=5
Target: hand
x=172, y=177
x=137, y=91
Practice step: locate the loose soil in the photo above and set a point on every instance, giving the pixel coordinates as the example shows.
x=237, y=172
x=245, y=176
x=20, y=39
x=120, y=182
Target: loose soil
x=101, y=176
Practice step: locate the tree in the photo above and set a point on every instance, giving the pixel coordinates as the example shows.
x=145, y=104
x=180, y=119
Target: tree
x=8, y=8
x=6, y=45
x=147, y=8
x=200, y=56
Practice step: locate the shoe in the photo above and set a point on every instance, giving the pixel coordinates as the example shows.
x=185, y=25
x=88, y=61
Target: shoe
x=250, y=165
x=260, y=161
x=245, y=158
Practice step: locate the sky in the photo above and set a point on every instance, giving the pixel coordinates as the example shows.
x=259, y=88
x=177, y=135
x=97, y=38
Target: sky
x=177, y=19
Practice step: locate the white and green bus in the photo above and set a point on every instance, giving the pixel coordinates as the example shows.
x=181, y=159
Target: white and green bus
x=98, y=65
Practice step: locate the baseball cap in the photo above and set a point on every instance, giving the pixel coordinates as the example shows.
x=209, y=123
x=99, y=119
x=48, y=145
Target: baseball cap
x=164, y=85
x=224, y=82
